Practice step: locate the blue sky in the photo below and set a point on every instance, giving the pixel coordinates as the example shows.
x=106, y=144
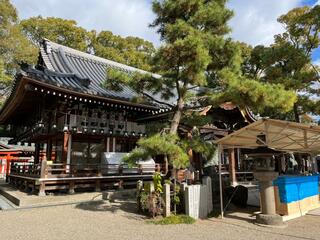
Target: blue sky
x=255, y=21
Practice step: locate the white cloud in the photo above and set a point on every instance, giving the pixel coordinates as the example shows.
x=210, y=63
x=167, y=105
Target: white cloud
x=255, y=22
x=123, y=17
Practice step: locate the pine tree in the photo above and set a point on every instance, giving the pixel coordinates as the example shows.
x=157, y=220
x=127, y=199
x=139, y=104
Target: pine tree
x=289, y=62
x=199, y=65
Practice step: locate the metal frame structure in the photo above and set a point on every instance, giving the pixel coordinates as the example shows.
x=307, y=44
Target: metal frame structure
x=275, y=134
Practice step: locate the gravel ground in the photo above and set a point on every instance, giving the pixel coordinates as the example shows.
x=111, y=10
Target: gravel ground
x=101, y=220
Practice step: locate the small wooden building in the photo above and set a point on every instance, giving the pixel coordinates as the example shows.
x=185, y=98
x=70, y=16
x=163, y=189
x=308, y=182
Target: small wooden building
x=62, y=107
x=14, y=153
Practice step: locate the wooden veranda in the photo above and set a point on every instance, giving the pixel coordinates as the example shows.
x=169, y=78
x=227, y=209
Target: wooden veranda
x=44, y=177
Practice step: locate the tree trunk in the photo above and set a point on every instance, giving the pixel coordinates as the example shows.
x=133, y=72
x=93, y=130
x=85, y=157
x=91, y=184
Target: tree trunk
x=296, y=114
x=177, y=117
x=166, y=165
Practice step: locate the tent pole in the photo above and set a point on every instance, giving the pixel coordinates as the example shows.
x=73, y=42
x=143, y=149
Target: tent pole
x=220, y=152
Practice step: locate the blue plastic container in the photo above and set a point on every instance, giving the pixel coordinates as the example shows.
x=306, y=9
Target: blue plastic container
x=295, y=188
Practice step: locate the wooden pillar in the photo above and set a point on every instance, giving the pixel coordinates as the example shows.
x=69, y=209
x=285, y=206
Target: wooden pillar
x=108, y=144
x=37, y=153
x=98, y=186
x=113, y=144
x=42, y=188
x=8, y=166
x=65, y=147
x=44, y=170
x=49, y=149
x=66, y=151
x=71, y=187
x=69, y=149
x=43, y=174
x=232, y=167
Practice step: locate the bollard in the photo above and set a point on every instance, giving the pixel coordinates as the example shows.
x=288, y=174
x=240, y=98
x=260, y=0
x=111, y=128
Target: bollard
x=167, y=200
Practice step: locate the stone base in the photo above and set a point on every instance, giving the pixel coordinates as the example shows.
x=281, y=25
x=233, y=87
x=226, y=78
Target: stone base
x=269, y=220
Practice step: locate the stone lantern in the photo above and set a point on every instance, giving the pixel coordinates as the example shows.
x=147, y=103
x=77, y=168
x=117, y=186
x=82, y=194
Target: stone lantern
x=264, y=164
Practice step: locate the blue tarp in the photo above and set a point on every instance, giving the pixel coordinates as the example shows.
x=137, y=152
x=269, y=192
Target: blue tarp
x=295, y=188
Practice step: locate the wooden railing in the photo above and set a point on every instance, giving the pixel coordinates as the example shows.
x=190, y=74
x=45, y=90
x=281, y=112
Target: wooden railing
x=241, y=176
x=45, y=170
x=25, y=169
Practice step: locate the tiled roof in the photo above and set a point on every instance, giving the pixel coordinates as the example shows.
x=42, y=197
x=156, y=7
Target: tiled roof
x=81, y=71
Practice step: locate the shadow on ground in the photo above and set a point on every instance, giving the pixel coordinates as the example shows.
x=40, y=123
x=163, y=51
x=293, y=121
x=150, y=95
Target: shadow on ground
x=124, y=208
x=244, y=214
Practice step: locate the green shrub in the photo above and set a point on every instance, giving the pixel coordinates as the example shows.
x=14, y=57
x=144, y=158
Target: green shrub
x=174, y=219
x=157, y=181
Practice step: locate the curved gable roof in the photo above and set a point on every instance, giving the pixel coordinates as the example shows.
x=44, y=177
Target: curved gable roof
x=64, y=60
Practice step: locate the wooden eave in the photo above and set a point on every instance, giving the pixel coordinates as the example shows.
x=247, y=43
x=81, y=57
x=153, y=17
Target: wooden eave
x=21, y=88
x=88, y=96
x=14, y=100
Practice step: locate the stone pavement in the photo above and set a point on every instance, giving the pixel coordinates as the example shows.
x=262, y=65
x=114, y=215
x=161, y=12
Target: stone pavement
x=26, y=200
x=104, y=220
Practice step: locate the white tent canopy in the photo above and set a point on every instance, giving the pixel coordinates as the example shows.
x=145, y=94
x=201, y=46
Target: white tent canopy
x=276, y=134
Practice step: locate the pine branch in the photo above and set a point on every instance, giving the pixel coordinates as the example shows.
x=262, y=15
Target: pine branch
x=157, y=101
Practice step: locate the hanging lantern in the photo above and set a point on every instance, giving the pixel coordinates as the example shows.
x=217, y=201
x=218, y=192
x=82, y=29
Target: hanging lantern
x=140, y=134
x=40, y=124
x=102, y=131
x=125, y=133
x=54, y=127
x=65, y=128
x=133, y=133
x=110, y=131
x=85, y=129
x=74, y=129
x=94, y=131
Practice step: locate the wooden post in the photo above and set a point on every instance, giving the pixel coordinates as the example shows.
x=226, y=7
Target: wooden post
x=37, y=153
x=49, y=149
x=8, y=166
x=108, y=144
x=232, y=167
x=98, y=186
x=69, y=154
x=71, y=187
x=121, y=184
x=65, y=147
x=44, y=170
x=113, y=144
x=42, y=188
